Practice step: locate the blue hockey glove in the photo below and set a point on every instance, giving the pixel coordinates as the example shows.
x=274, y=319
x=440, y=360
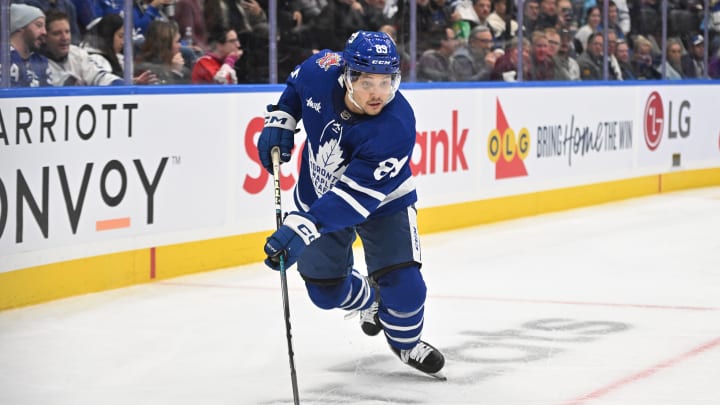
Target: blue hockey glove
x=279, y=131
x=297, y=231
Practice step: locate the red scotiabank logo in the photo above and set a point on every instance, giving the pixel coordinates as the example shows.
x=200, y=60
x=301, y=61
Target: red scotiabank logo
x=507, y=149
x=654, y=120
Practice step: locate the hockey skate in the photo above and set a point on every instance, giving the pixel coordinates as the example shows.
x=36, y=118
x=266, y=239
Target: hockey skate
x=423, y=357
x=369, y=320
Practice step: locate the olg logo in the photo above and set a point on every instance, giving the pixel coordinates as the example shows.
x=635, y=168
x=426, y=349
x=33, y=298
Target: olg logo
x=508, y=145
x=655, y=119
x=506, y=148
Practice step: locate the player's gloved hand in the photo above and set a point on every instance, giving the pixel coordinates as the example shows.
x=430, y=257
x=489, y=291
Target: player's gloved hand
x=279, y=131
x=297, y=231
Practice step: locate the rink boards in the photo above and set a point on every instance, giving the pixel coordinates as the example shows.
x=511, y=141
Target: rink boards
x=105, y=188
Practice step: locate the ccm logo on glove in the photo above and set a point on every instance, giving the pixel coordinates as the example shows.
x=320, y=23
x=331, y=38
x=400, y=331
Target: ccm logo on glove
x=279, y=130
x=298, y=231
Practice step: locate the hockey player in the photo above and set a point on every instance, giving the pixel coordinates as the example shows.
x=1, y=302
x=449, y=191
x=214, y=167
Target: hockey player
x=355, y=179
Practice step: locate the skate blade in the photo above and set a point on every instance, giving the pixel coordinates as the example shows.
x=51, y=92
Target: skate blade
x=438, y=376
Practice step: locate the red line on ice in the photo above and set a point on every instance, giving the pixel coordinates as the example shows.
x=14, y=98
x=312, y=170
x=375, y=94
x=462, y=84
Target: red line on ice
x=644, y=373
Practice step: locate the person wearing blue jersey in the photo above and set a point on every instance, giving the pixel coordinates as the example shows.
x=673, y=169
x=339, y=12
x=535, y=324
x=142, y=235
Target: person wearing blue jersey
x=28, y=68
x=355, y=180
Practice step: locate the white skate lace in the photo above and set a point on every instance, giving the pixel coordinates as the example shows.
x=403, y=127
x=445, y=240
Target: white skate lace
x=366, y=315
x=417, y=353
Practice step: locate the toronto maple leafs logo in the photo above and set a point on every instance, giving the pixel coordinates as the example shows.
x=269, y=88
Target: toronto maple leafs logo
x=327, y=164
x=329, y=59
x=311, y=104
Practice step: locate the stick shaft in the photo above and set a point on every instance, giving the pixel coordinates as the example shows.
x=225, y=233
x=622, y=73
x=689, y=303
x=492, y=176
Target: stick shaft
x=275, y=154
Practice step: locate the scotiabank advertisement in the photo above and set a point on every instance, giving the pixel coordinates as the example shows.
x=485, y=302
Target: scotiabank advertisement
x=90, y=175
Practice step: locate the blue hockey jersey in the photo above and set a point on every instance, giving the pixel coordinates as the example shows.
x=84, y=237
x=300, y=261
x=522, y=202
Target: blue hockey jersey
x=33, y=72
x=353, y=166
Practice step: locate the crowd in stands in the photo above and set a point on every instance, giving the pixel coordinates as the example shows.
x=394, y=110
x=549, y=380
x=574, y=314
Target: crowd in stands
x=81, y=42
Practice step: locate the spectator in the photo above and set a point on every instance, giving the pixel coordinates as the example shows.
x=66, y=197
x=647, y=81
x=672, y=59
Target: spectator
x=714, y=27
x=623, y=12
x=623, y=16
x=190, y=20
x=613, y=23
x=554, y=43
x=147, y=11
x=303, y=27
x=542, y=65
x=646, y=19
x=434, y=64
x=104, y=44
x=714, y=66
x=497, y=20
x=105, y=7
x=531, y=11
x=66, y=6
x=673, y=67
x=566, y=16
x=71, y=65
x=622, y=54
x=693, y=62
x=432, y=16
x=27, y=32
x=506, y=66
x=310, y=10
x=218, y=65
x=591, y=61
x=642, y=60
x=160, y=53
x=249, y=21
x=373, y=14
x=614, y=71
x=564, y=56
x=300, y=24
x=593, y=22
x=144, y=11
x=476, y=60
x=87, y=15
x=464, y=17
x=548, y=15
x=244, y=16
x=337, y=20
x=482, y=10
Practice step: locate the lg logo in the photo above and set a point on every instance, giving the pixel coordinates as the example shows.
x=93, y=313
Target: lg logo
x=654, y=120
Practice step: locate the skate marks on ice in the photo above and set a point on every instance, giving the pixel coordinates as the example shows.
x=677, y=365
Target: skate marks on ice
x=476, y=356
x=533, y=341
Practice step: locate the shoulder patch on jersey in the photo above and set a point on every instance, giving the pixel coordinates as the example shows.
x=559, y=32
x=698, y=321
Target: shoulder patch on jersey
x=329, y=59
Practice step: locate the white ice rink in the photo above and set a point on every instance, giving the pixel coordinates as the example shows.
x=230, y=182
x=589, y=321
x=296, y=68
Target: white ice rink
x=614, y=304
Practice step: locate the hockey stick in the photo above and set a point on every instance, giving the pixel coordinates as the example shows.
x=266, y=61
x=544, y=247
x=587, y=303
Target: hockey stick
x=275, y=155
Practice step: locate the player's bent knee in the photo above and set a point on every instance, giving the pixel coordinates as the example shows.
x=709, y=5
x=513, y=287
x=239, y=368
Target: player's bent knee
x=403, y=289
x=328, y=294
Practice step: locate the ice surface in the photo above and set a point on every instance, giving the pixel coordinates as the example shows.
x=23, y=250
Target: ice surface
x=613, y=304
